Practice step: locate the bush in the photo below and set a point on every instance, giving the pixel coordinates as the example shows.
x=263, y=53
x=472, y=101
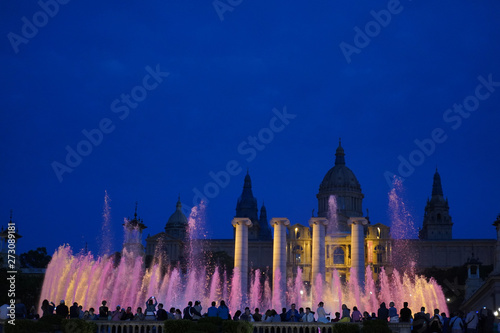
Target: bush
x=180, y=325
x=78, y=325
x=214, y=320
x=29, y=325
x=345, y=328
x=240, y=326
x=206, y=327
x=51, y=320
x=375, y=326
x=22, y=326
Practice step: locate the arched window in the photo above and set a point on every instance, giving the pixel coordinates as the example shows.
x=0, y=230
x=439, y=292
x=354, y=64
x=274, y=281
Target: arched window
x=338, y=256
x=379, y=251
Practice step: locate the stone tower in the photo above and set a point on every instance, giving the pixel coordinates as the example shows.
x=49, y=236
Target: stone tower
x=341, y=182
x=437, y=223
x=132, y=243
x=247, y=207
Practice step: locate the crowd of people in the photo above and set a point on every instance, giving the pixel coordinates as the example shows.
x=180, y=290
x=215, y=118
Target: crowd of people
x=472, y=322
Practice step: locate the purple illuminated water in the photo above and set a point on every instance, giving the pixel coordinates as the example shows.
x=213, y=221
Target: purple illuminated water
x=402, y=228
x=106, y=237
x=87, y=279
x=332, y=226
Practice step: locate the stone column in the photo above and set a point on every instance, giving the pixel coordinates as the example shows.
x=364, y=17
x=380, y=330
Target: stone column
x=358, y=247
x=496, y=263
x=241, y=252
x=279, y=261
x=318, y=225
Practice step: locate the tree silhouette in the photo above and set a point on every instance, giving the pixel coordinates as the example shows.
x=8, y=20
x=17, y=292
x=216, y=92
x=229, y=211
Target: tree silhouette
x=35, y=258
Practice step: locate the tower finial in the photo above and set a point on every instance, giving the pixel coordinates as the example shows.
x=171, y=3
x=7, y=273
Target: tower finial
x=11, y=215
x=437, y=189
x=339, y=155
x=135, y=214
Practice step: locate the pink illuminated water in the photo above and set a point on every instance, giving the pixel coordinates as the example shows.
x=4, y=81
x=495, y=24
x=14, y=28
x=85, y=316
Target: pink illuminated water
x=88, y=280
x=106, y=237
x=332, y=226
x=402, y=228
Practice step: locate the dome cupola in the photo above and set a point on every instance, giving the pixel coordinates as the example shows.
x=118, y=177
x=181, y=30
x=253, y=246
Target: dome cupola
x=341, y=182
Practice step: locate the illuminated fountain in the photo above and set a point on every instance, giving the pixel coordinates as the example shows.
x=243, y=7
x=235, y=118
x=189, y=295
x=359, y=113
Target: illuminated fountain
x=88, y=280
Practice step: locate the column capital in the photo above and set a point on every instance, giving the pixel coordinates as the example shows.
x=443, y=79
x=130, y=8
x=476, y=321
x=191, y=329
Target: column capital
x=318, y=221
x=241, y=221
x=357, y=220
x=279, y=220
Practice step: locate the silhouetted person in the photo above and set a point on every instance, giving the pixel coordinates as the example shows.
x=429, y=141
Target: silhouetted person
x=383, y=312
x=48, y=309
x=161, y=314
x=237, y=315
x=420, y=321
x=247, y=316
x=223, y=311
x=436, y=323
x=257, y=316
x=187, y=311
x=212, y=311
x=74, y=311
x=405, y=313
x=292, y=315
x=128, y=315
x=283, y=314
x=20, y=308
x=103, y=311
x=62, y=309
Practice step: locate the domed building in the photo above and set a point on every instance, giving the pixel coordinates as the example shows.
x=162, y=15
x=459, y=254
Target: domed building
x=339, y=192
x=171, y=242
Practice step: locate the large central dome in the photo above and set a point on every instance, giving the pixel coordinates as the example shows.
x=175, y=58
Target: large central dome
x=341, y=182
x=340, y=177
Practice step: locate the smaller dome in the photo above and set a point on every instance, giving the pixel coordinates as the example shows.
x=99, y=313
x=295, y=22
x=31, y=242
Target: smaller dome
x=177, y=219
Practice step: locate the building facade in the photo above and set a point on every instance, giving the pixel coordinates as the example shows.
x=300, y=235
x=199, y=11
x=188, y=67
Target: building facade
x=434, y=248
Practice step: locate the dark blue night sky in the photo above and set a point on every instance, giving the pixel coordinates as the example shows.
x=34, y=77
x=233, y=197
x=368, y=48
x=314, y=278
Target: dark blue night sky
x=172, y=92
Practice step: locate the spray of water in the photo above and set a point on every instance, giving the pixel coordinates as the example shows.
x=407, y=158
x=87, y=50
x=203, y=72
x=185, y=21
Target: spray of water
x=106, y=237
x=402, y=228
x=195, y=232
x=87, y=280
x=332, y=226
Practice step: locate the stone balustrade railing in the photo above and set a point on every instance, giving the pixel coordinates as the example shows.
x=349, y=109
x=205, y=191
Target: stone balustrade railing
x=315, y=327
x=104, y=326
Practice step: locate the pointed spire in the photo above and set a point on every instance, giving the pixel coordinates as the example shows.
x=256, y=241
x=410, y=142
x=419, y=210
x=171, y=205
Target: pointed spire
x=135, y=213
x=248, y=181
x=179, y=204
x=11, y=215
x=247, y=204
x=263, y=212
x=339, y=154
x=437, y=189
